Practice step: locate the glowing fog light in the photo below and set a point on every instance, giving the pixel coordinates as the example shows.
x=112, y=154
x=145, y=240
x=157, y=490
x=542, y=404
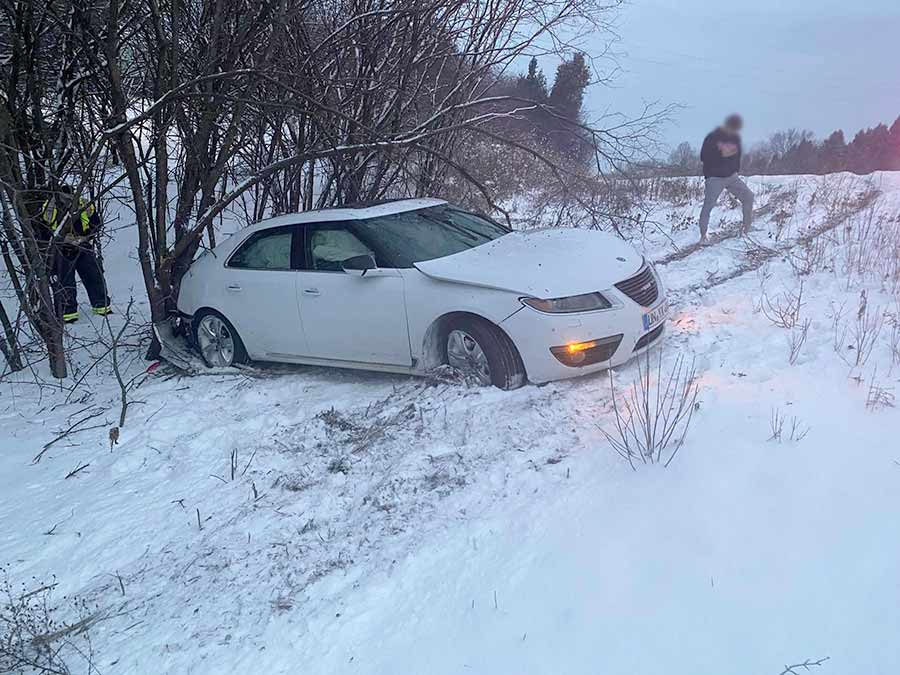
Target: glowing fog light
x=586, y=353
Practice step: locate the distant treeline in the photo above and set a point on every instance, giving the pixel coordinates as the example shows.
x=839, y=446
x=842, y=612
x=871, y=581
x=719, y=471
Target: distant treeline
x=796, y=151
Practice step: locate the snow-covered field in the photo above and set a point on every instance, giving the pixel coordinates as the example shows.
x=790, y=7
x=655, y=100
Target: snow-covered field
x=300, y=520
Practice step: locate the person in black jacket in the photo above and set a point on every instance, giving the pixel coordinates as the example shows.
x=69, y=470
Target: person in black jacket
x=721, y=157
x=73, y=252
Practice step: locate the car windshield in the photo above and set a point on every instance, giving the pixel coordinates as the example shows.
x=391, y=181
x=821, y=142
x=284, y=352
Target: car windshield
x=402, y=239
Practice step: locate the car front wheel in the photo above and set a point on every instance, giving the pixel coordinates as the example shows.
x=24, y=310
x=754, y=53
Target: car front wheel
x=481, y=351
x=219, y=344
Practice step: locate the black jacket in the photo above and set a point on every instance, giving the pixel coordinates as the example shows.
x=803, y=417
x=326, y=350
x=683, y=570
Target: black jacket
x=715, y=164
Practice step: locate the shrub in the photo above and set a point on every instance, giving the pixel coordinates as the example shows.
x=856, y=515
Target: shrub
x=653, y=417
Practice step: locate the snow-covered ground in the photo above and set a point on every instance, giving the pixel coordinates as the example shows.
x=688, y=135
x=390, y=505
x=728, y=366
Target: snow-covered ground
x=283, y=520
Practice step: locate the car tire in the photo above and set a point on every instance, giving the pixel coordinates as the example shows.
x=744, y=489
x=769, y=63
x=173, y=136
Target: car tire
x=203, y=321
x=506, y=370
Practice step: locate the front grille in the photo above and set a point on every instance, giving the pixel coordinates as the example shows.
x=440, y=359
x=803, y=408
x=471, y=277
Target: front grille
x=649, y=338
x=641, y=287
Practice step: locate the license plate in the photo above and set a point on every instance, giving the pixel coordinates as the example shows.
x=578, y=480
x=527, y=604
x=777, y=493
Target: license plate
x=656, y=315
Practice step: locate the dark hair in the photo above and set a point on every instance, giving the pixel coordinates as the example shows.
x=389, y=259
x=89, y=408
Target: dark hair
x=734, y=122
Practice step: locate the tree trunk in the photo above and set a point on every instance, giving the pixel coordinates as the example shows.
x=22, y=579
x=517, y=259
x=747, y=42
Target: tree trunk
x=9, y=345
x=56, y=353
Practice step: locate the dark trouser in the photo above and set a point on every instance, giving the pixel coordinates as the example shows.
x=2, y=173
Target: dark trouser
x=72, y=259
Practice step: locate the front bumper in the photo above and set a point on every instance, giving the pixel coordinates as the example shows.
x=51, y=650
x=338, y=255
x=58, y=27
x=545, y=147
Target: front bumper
x=535, y=334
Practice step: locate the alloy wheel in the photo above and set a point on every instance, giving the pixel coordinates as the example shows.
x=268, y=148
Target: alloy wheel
x=466, y=355
x=215, y=341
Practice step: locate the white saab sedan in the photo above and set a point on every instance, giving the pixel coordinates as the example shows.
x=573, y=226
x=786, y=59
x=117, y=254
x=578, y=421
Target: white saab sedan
x=406, y=286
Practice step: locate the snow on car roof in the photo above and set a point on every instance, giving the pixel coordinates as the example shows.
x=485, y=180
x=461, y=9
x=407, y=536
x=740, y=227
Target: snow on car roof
x=351, y=212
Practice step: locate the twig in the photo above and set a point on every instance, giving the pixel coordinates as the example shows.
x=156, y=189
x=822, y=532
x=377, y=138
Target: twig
x=249, y=463
x=806, y=665
x=71, y=430
x=77, y=470
x=123, y=387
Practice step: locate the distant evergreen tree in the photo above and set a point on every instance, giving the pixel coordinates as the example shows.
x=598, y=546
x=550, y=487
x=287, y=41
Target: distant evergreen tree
x=567, y=95
x=566, y=99
x=533, y=86
x=880, y=148
x=894, y=152
x=833, y=154
x=858, y=152
x=870, y=150
x=802, y=158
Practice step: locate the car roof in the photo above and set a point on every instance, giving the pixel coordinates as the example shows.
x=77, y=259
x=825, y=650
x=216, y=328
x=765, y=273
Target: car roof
x=360, y=211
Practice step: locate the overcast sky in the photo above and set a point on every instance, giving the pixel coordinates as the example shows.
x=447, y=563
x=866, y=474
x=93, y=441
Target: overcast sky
x=815, y=64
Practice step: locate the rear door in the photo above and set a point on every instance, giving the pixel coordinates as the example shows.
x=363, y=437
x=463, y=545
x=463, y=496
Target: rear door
x=348, y=317
x=260, y=293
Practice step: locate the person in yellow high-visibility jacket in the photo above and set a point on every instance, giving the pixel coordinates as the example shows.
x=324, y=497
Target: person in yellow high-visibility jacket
x=75, y=253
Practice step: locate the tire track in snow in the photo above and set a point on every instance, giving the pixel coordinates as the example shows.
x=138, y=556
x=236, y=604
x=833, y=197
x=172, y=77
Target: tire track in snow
x=755, y=255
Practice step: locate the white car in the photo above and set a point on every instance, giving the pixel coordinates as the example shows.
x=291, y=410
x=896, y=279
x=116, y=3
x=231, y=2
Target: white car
x=406, y=286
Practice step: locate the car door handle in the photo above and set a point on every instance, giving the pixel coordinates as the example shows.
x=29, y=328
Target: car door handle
x=233, y=287
x=311, y=291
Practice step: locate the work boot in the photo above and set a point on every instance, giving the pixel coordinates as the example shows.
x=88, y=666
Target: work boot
x=71, y=317
x=103, y=311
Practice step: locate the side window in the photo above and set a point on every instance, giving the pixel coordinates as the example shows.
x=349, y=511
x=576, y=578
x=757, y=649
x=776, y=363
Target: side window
x=330, y=246
x=267, y=250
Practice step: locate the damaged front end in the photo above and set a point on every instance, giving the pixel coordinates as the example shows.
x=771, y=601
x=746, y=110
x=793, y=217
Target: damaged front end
x=176, y=343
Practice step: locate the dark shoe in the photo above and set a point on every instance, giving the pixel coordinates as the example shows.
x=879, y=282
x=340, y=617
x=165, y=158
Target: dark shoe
x=103, y=311
x=72, y=317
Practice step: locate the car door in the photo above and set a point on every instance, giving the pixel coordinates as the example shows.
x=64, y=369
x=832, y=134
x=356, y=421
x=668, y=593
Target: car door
x=260, y=293
x=350, y=317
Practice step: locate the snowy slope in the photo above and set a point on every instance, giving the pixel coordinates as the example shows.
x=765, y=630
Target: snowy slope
x=378, y=524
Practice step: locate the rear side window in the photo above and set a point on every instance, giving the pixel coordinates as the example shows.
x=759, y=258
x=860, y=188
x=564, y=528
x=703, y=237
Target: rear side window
x=267, y=250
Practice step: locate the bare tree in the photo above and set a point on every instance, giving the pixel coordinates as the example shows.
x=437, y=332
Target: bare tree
x=48, y=125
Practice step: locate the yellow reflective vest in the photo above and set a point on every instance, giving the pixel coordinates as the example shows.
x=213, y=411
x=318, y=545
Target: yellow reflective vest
x=50, y=215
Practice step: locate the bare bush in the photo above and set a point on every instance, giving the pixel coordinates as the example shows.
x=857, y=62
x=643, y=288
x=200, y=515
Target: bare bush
x=879, y=396
x=795, y=433
x=870, y=242
x=653, y=418
x=677, y=191
x=796, y=340
x=859, y=335
x=893, y=318
x=783, y=310
x=33, y=637
x=810, y=256
x=783, y=205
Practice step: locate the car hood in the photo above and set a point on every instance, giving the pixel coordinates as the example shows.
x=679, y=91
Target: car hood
x=549, y=263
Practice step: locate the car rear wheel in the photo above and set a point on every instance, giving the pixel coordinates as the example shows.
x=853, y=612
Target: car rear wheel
x=219, y=344
x=483, y=352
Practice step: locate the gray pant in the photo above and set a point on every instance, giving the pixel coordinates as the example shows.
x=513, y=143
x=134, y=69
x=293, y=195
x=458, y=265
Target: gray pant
x=735, y=186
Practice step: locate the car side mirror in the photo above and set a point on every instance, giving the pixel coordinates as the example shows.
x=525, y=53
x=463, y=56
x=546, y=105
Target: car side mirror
x=358, y=265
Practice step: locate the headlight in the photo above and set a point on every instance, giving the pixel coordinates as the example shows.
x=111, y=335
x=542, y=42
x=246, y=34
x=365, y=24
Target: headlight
x=573, y=303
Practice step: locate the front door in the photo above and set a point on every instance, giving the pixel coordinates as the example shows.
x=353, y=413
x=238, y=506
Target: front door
x=260, y=294
x=348, y=317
